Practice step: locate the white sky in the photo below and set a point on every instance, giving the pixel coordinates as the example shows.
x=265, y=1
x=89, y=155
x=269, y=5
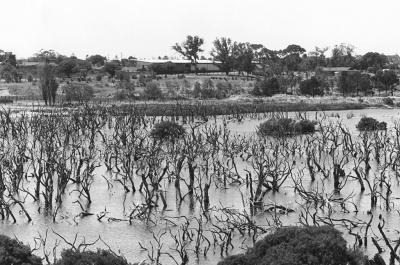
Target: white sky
x=148, y=28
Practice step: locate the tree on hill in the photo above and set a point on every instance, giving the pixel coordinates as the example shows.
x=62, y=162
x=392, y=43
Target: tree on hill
x=223, y=52
x=190, y=49
x=112, y=67
x=388, y=80
x=312, y=87
x=372, y=60
x=243, y=57
x=48, y=83
x=68, y=67
x=97, y=60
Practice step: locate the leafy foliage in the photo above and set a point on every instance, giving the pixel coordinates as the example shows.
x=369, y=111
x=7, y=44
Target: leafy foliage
x=298, y=246
x=223, y=52
x=48, y=83
x=311, y=87
x=190, y=48
x=388, y=101
x=97, y=60
x=13, y=252
x=153, y=91
x=370, y=124
x=101, y=257
x=111, y=68
x=267, y=87
x=167, y=130
x=78, y=92
x=285, y=126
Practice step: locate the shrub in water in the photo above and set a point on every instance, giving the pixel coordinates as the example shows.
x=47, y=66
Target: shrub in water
x=285, y=126
x=298, y=246
x=370, y=124
x=388, y=101
x=13, y=252
x=103, y=257
x=167, y=130
x=304, y=127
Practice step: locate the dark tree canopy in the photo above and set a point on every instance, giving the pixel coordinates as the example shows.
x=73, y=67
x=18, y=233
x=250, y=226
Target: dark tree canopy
x=372, y=59
x=312, y=87
x=68, y=67
x=13, y=252
x=97, y=60
x=101, y=257
x=112, y=67
x=388, y=79
x=267, y=87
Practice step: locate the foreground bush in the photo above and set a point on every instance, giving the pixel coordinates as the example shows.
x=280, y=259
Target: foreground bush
x=101, y=257
x=298, y=246
x=167, y=130
x=370, y=124
x=285, y=126
x=13, y=252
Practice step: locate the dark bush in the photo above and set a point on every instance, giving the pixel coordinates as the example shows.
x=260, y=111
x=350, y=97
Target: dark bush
x=101, y=257
x=304, y=127
x=197, y=90
x=153, y=91
x=13, y=252
x=370, y=124
x=267, y=87
x=298, y=246
x=388, y=101
x=125, y=95
x=285, y=127
x=99, y=77
x=167, y=130
x=5, y=100
x=311, y=87
x=78, y=92
x=30, y=78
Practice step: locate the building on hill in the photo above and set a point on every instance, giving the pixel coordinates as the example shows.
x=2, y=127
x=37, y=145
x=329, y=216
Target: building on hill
x=177, y=66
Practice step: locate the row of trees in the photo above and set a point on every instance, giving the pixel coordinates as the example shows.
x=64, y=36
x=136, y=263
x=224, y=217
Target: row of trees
x=349, y=83
x=243, y=57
